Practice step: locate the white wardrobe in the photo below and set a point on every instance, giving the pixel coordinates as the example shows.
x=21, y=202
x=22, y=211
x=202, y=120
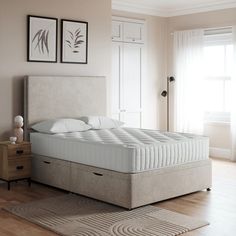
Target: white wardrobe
x=127, y=70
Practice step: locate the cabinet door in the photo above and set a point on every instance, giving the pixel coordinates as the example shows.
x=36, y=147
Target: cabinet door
x=131, y=84
x=133, y=32
x=117, y=50
x=117, y=31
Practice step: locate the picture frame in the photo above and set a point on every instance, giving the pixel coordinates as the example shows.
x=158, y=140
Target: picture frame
x=74, y=41
x=42, y=39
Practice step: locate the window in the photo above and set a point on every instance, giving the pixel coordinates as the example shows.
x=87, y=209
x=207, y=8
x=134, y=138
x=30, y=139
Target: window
x=218, y=61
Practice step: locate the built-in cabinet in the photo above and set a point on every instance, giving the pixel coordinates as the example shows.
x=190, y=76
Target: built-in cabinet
x=127, y=71
x=129, y=32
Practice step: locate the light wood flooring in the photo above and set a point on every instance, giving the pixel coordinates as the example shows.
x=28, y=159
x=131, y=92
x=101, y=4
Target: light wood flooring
x=218, y=206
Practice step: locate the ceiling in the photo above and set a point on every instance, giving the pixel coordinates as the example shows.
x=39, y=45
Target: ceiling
x=169, y=8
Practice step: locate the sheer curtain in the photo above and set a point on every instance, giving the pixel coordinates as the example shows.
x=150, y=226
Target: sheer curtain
x=188, y=71
x=233, y=105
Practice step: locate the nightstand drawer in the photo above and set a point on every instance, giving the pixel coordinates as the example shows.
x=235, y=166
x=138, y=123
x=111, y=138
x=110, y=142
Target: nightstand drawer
x=19, y=168
x=16, y=150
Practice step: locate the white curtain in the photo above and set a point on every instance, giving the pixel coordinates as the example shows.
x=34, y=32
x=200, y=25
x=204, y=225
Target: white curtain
x=188, y=72
x=233, y=105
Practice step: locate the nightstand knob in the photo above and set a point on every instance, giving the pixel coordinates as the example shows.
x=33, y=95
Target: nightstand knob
x=19, y=152
x=20, y=167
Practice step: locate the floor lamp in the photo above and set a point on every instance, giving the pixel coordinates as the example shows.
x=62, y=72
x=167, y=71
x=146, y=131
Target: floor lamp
x=165, y=93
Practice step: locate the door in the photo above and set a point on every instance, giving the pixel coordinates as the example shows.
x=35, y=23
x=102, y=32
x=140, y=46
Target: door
x=133, y=32
x=117, y=49
x=131, y=85
x=127, y=72
x=117, y=31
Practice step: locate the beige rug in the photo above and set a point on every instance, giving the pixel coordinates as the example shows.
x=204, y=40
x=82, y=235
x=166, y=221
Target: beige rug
x=80, y=216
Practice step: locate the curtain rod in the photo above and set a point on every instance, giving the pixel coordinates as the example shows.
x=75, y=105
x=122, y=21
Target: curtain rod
x=213, y=28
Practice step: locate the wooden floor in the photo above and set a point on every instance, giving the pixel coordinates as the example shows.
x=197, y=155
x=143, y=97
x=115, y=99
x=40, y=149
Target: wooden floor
x=218, y=206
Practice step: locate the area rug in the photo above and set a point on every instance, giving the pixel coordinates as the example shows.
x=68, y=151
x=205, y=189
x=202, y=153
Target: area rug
x=74, y=215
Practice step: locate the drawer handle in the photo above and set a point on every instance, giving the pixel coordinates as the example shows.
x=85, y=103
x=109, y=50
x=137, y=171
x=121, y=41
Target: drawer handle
x=98, y=174
x=20, y=167
x=19, y=152
x=47, y=162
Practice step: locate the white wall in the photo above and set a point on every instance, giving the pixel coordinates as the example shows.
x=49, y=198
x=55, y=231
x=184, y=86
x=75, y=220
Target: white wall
x=13, y=47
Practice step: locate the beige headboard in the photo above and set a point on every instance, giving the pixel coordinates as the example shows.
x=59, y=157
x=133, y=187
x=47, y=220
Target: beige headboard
x=49, y=97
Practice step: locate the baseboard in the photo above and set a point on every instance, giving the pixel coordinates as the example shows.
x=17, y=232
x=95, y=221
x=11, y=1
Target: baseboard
x=220, y=153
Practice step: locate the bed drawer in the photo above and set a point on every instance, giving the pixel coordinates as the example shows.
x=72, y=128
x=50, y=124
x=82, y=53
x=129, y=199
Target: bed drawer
x=51, y=171
x=105, y=185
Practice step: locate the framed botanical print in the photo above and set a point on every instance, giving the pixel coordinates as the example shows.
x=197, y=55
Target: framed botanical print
x=74, y=41
x=42, y=39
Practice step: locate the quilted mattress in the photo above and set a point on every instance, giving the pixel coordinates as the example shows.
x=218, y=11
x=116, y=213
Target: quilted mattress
x=126, y=150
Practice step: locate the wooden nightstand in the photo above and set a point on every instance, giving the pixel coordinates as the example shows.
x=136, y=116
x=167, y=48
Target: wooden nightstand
x=15, y=162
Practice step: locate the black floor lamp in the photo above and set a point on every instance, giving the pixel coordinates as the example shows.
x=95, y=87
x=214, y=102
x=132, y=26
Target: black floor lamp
x=165, y=93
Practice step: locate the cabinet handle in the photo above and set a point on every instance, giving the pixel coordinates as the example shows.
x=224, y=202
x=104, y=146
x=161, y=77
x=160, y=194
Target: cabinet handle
x=98, y=174
x=19, y=152
x=123, y=110
x=20, y=167
x=47, y=162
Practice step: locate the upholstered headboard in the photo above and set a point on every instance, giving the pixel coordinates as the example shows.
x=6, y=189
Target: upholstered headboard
x=49, y=97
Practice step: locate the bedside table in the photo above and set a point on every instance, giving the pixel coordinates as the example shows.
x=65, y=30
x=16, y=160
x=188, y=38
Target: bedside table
x=15, y=162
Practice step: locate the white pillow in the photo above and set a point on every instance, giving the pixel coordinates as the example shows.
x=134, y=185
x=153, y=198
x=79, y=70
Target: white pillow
x=60, y=126
x=101, y=122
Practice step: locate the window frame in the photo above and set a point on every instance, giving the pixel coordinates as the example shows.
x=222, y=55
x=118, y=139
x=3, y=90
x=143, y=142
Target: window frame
x=217, y=38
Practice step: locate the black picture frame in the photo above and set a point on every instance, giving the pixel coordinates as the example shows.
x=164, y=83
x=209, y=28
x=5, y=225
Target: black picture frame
x=42, y=39
x=74, y=41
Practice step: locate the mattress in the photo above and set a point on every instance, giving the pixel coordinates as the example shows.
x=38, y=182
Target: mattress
x=126, y=150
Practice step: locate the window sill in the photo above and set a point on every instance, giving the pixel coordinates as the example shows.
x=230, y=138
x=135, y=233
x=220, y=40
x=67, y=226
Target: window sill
x=217, y=123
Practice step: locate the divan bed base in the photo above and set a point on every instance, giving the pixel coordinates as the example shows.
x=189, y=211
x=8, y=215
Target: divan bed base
x=123, y=189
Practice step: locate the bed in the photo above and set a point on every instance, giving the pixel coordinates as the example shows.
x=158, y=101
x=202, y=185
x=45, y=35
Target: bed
x=123, y=166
